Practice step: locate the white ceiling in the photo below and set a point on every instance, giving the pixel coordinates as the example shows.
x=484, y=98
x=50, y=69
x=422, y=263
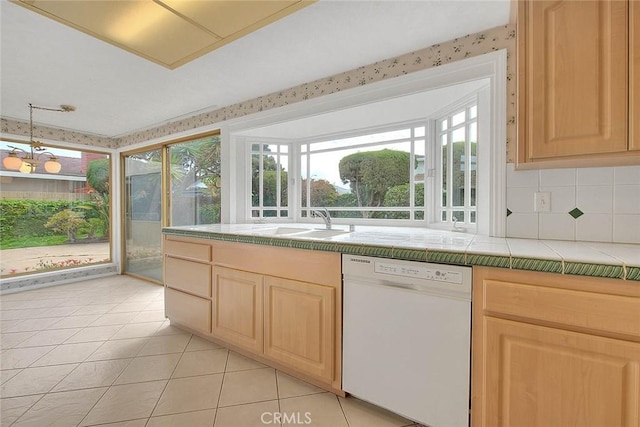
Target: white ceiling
x=116, y=92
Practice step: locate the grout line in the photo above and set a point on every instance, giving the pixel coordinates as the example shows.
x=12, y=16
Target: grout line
x=342, y=410
x=224, y=374
x=28, y=409
x=168, y=380
x=278, y=393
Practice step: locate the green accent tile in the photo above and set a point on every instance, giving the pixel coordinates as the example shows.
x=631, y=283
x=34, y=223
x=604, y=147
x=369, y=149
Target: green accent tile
x=379, y=251
x=260, y=240
x=282, y=242
x=509, y=212
x=446, y=257
x=229, y=237
x=349, y=249
x=324, y=246
x=301, y=244
x=245, y=239
x=596, y=270
x=549, y=266
x=489, y=260
x=576, y=213
x=409, y=254
x=633, y=273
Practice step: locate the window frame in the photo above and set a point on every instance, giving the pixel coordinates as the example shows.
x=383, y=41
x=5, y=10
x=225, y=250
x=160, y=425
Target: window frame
x=490, y=67
x=432, y=179
x=409, y=125
x=435, y=181
x=261, y=142
x=50, y=275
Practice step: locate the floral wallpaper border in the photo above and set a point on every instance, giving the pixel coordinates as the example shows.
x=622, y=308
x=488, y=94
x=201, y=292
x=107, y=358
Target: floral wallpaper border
x=503, y=37
x=17, y=127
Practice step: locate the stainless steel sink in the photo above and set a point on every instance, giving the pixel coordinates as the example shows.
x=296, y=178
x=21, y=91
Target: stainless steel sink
x=279, y=231
x=322, y=234
x=299, y=232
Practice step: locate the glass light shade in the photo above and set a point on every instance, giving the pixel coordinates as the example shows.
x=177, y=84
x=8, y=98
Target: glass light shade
x=52, y=166
x=26, y=167
x=12, y=162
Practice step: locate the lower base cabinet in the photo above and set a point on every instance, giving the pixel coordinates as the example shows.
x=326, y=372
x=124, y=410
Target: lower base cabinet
x=281, y=305
x=237, y=308
x=299, y=325
x=553, y=350
x=188, y=310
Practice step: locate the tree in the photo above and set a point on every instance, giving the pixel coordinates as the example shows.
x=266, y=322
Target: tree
x=269, y=189
x=66, y=221
x=400, y=196
x=322, y=193
x=97, y=209
x=195, y=181
x=98, y=173
x=458, y=172
x=371, y=173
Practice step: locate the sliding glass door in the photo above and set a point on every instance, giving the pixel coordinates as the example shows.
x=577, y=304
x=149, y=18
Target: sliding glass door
x=143, y=214
x=191, y=170
x=195, y=181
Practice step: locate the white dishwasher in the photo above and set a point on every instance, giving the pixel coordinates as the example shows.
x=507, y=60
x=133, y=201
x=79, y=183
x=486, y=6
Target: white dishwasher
x=406, y=337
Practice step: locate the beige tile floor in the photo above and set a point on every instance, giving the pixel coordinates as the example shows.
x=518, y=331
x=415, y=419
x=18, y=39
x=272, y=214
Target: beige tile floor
x=101, y=352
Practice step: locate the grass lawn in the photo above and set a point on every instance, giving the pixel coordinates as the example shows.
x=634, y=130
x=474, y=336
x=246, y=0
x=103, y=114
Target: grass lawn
x=30, y=242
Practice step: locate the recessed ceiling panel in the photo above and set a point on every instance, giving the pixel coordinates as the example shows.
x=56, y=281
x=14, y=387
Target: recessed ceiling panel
x=225, y=18
x=170, y=33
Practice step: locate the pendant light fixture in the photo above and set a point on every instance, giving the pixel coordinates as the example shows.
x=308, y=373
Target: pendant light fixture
x=29, y=160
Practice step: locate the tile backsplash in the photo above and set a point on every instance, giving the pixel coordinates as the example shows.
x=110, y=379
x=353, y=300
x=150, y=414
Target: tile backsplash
x=587, y=204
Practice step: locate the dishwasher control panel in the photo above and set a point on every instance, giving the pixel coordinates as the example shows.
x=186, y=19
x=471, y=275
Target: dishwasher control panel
x=417, y=271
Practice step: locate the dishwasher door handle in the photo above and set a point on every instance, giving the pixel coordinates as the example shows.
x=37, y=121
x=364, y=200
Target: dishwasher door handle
x=437, y=289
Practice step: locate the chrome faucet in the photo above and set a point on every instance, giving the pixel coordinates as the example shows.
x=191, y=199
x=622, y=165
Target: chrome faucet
x=456, y=227
x=324, y=214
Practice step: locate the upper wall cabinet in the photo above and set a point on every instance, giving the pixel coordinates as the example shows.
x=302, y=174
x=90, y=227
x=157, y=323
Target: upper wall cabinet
x=634, y=82
x=578, y=90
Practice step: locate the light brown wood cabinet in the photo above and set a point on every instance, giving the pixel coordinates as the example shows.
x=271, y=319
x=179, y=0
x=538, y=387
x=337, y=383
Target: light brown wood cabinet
x=280, y=306
x=237, y=313
x=299, y=325
x=187, y=278
x=578, y=71
x=554, y=350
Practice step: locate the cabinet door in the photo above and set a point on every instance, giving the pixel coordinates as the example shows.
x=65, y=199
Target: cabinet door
x=574, y=74
x=299, y=326
x=539, y=376
x=237, y=308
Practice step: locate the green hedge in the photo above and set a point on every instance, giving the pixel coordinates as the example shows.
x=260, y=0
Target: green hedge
x=26, y=218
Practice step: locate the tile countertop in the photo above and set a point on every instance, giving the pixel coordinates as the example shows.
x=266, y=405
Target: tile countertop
x=613, y=260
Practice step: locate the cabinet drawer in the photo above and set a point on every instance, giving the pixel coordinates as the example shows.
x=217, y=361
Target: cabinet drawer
x=188, y=276
x=188, y=310
x=182, y=249
x=594, y=311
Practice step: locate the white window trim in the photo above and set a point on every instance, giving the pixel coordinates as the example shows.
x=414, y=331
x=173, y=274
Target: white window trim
x=410, y=124
x=291, y=180
x=434, y=183
x=491, y=196
x=59, y=277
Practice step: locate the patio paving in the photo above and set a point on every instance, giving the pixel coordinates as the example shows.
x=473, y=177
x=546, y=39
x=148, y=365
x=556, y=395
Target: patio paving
x=16, y=261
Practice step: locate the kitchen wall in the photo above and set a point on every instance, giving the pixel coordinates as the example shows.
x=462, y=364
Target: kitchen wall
x=588, y=204
x=503, y=37
x=607, y=199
